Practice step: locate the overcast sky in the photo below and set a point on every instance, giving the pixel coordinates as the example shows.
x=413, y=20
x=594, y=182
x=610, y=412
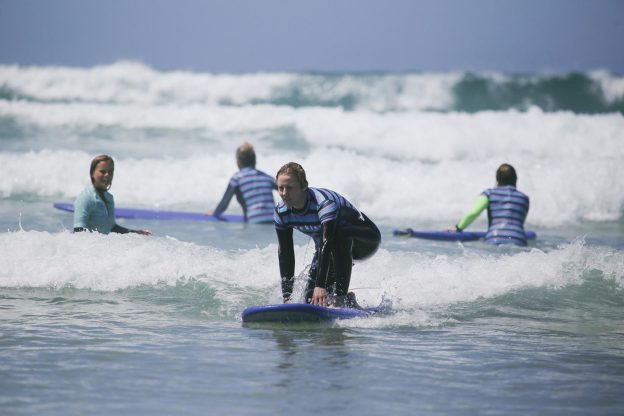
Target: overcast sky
x=323, y=35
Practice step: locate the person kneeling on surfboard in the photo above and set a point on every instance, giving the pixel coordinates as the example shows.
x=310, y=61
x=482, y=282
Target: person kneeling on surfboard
x=252, y=187
x=507, y=209
x=94, y=208
x=341, y=234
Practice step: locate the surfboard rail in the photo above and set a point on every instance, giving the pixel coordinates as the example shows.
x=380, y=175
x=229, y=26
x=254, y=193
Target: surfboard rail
x=445, y=235
x=304, y=312
x=148, y=214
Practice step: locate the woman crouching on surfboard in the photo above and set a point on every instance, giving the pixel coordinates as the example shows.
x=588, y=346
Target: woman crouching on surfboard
x=94, y=209
x=341, y=234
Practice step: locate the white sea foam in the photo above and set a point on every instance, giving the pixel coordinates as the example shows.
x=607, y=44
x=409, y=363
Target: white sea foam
x=137, y=84
x=412, y=281
x=569, y=165
x=407, y=136
x=111, y=262
x=612, y=86
x=173, y=140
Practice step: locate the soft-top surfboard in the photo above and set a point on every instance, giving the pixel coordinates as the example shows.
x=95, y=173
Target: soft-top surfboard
x=148, y=214
x=449, y=235
x=304, y=312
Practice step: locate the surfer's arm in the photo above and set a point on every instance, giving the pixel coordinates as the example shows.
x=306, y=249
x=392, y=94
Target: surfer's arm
x=319, y=295
x=480, y=204
x=286, y=255
x=527, y=211
x=119, y=229
x=225, y=200
x=82, y=210
x=123, y=230
x=325, y=252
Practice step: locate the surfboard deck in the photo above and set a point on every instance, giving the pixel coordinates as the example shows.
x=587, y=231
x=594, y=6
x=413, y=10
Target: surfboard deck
x=148, y=214
x=304, y=312
x=449, y=235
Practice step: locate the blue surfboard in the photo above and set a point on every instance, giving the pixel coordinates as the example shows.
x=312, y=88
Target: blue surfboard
x=148, y=214
x=449, y=235
x=304, y=312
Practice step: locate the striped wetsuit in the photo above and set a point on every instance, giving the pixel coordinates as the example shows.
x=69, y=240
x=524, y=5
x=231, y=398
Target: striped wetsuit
x=341, y=233
x=507, y=210
x=254, y=191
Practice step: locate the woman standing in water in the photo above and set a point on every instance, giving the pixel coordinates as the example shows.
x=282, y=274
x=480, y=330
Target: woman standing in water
x=94, y=209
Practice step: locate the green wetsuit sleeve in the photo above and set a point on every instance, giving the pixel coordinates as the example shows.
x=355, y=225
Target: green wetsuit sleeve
x=478, y=207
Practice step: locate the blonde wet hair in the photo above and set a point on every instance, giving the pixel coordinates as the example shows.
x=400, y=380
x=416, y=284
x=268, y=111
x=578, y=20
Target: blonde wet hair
x=296, y=170
x=96, y=160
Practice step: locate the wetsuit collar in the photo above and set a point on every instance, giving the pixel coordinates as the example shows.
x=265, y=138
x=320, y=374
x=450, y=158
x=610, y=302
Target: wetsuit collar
x=305, y=206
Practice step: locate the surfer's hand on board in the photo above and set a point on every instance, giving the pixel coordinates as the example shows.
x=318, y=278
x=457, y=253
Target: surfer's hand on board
x=319, y=297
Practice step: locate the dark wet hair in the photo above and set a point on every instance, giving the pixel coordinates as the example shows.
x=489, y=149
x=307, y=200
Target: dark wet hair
x=296, y=170
x=506, y=175
x=96, y=160
x=246, y=156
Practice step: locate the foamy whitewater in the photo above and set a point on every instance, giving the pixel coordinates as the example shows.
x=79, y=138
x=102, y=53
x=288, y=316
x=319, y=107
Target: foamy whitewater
x=94, y=324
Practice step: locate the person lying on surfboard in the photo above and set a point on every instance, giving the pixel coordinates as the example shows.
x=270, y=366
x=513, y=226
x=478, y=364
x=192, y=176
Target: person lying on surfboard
x=252, y=187
x=507, y=210
x=94, y=208
x=341, y=234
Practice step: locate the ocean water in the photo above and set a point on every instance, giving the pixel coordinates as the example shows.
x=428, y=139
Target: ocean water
x=127, y=324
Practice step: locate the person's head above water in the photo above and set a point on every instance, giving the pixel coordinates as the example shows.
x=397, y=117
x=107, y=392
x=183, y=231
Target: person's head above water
x=506, y=175
x=292, y=185
x=102, y=171
x=245, y=156
x=295, y=170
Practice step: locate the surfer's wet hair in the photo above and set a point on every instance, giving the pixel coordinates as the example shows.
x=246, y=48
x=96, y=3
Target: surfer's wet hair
x=246, y=156
x=96, y=160
x=506, y=175
x=296, y=170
